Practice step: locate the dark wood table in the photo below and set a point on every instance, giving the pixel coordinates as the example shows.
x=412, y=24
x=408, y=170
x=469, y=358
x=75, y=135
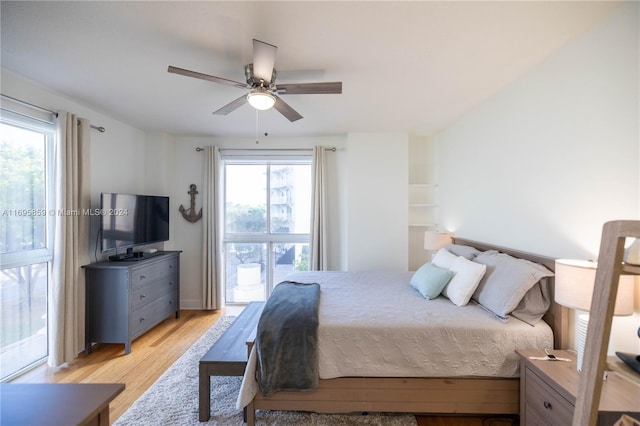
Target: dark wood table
x=45, y=404
x=228, y=355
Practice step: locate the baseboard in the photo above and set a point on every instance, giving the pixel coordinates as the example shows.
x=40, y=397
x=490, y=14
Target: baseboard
x=191, y=304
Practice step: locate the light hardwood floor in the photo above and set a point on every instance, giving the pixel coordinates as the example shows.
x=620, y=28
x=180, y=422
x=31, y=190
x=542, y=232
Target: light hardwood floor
x=151, y=354
x=154, y=352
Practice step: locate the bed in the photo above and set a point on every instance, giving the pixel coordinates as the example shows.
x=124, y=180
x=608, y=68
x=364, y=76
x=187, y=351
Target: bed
x=373, y=356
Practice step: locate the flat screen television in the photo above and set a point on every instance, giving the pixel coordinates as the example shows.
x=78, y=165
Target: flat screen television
x=129, y=220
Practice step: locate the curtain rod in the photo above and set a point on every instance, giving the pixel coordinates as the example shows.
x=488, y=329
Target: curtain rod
x=98, y=128
x=333, y=148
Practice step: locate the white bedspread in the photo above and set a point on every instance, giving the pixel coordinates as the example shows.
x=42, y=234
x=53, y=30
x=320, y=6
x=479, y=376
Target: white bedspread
x=374, y=324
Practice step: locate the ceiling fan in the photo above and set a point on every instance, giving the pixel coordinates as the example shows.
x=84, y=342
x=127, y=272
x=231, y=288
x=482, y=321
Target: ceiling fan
x=261, y=83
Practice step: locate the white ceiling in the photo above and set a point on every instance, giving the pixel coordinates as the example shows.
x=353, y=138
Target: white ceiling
x=405, y=66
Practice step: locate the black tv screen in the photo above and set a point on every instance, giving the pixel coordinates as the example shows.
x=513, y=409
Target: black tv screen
x=129, y=220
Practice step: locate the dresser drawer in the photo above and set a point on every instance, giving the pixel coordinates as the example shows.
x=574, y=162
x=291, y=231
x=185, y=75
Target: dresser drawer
x=140, y=296
x=535, y=419
x=150, y=272
x=546, y=402
x=151, y=314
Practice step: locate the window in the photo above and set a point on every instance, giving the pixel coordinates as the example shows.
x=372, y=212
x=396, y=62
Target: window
x=264, y=244
x=26, y=147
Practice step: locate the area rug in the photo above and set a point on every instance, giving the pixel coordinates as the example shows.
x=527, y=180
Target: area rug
x=173, y=399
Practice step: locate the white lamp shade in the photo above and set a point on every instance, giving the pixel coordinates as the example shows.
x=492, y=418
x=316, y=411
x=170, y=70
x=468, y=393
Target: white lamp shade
x=632, y=253
x=575, y=280
x=436, y=240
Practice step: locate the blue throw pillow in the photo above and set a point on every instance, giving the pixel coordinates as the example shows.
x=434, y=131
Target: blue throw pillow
x=430, y=280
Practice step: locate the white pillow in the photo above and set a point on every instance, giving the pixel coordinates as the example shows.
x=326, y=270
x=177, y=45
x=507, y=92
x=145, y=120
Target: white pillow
x=444, y=259
x=465, y=281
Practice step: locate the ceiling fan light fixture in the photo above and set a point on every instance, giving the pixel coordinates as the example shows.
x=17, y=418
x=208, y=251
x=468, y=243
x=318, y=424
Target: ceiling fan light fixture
x=261, y=99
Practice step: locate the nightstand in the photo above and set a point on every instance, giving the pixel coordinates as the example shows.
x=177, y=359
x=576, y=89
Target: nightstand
x=548, y=392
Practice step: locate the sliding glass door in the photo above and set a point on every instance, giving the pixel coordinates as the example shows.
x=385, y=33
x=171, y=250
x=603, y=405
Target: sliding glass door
x=25, y=241
x=266, y=223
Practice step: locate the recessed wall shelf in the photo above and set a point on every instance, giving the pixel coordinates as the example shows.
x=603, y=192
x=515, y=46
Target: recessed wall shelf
x=422, y=205
x=422, y=200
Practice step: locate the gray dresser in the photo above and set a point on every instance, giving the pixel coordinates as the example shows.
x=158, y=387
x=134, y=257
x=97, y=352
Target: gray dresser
x=125, y=299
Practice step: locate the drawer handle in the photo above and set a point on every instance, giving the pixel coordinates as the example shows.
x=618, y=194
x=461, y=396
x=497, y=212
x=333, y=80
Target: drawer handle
x=141, y=319
x=142, y=277
x=142, y=296
x=547, y=405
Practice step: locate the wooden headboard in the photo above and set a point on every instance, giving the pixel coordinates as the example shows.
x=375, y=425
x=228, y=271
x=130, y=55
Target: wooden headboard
x=557, y=316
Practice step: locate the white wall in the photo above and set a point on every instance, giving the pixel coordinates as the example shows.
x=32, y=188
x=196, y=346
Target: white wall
x=189, y=166
x=159, y=163
x=543, y=164
x=377, y=206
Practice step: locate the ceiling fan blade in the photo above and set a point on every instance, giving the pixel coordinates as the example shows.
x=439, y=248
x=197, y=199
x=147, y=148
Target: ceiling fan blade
x=232, y=106
x=283, y=108
x=264, y=59
x=310, y=88
x=194, y=74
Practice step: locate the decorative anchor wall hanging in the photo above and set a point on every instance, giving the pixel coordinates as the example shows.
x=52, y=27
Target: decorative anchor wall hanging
x=190, y=214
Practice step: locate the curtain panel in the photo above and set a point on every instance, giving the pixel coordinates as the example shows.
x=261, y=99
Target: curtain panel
x=212, y=297
x=318, y=246
x=71, y=239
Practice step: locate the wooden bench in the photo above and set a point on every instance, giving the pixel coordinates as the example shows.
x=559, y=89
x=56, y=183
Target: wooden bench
x=229, y=354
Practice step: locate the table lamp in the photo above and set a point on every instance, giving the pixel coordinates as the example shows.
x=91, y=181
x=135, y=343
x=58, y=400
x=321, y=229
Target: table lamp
x=632, y=253
x=575, y=280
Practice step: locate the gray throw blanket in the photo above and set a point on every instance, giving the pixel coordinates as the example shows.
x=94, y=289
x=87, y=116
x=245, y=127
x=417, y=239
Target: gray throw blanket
x=287, y=339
